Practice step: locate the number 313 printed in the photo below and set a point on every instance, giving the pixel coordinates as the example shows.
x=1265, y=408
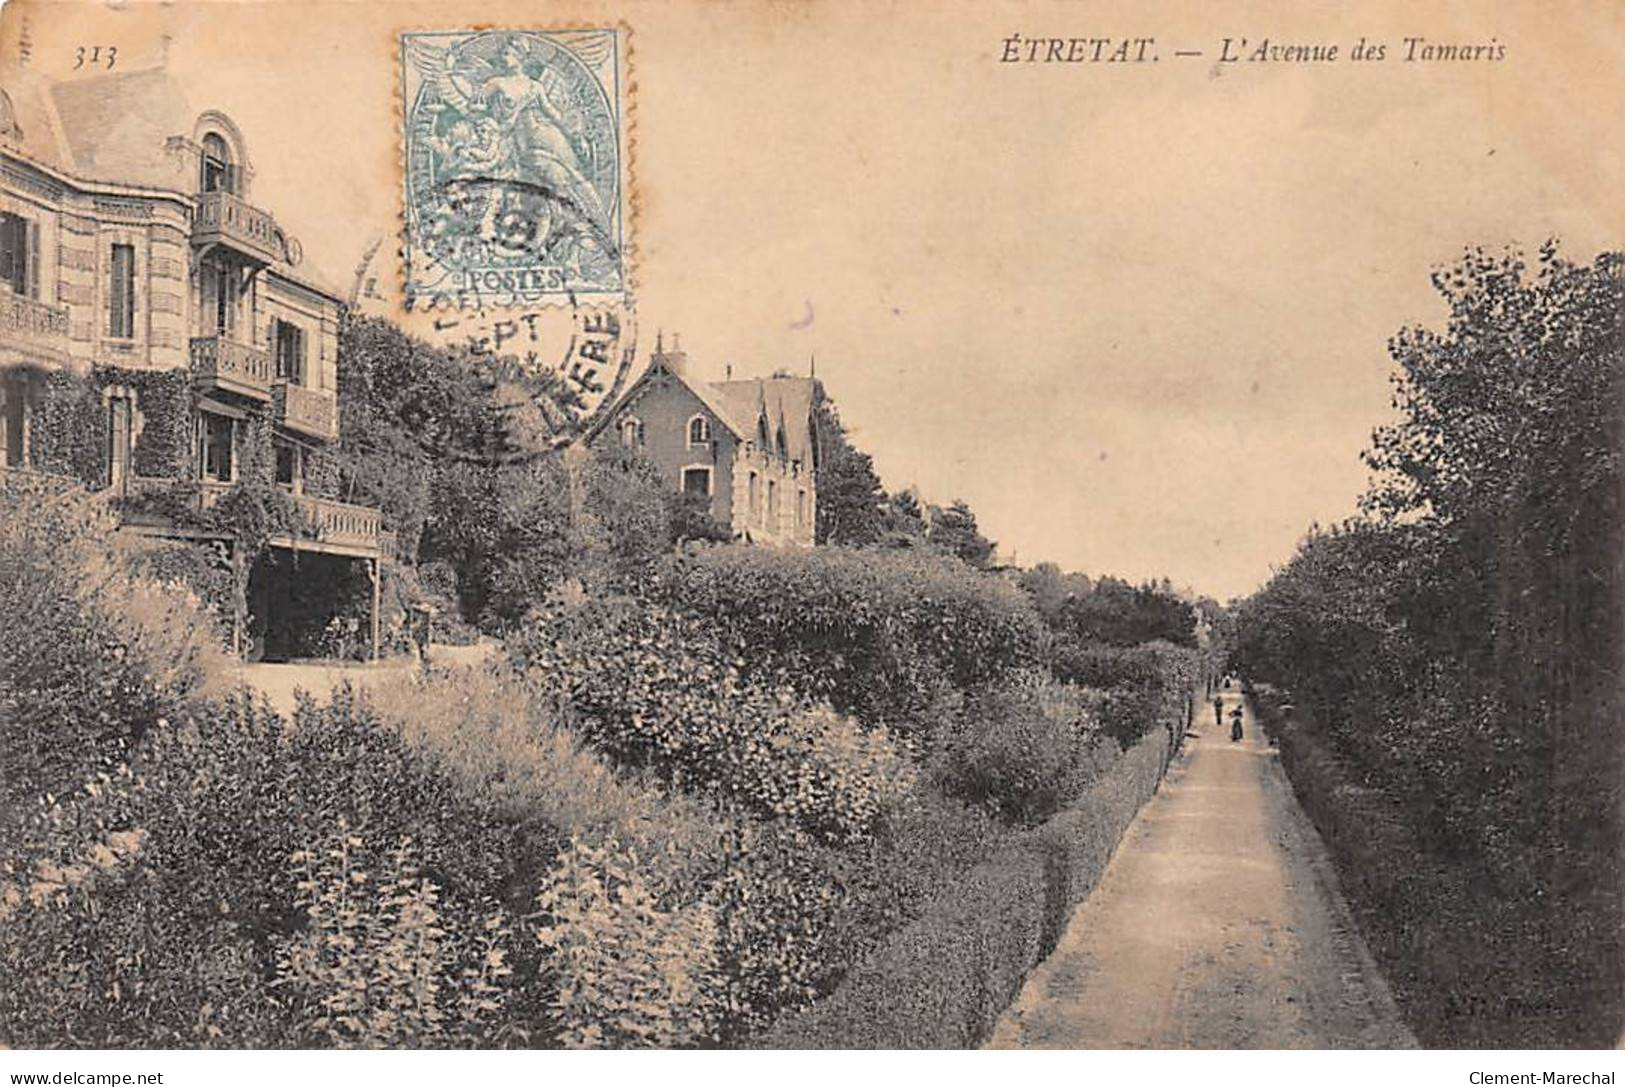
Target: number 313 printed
x=94, y=55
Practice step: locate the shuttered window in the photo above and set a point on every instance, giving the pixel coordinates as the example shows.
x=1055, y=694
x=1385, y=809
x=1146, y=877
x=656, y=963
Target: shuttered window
x=121, y=293
x=19, y=240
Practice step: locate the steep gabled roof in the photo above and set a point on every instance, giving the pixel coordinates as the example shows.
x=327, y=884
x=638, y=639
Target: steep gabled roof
x=737, y=405
x=786, y=399
x=704, y=393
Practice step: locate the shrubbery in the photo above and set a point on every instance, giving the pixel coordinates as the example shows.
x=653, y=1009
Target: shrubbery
x=1021, y=749
x=1455, y=653
x=877, y=633
x=659, y=692
x=101, y=657
x=1141, y=687
x=643, y=835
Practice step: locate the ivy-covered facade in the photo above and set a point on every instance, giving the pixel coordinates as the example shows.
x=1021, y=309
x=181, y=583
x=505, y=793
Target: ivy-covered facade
x=162, y=343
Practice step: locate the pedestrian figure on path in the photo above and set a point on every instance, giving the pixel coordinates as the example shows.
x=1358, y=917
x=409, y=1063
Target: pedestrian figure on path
x=1218, y=711
x=1235, y=725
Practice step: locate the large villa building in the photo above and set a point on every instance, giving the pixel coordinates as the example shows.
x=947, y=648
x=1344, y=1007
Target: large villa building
x=749, y=447
x=160, y=339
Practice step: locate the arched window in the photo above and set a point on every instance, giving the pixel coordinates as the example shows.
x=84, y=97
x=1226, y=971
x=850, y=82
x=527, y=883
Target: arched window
x=631, y=432
x=781, y=443
x=217, y=174
x=761, y=434
x=699, y=430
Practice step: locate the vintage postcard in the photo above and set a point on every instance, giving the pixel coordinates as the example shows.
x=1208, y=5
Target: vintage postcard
x=814, y=525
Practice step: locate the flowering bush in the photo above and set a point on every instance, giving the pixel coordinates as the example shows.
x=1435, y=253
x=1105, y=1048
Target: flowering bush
x=505, y=744
x=629, y=972
x=173, y=944
x=375, y=964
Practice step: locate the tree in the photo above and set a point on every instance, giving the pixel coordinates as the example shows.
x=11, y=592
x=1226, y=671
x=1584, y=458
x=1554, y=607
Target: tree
x=1050, y=589
x=954, y=530
x=1457, y=646
x=902, y=521
x=850, y=497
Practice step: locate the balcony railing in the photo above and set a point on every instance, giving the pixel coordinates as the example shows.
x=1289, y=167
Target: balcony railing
x=232, y=366
x=226, y=219
x=328, y=521
x=310, y=411
x=29, y=324
x=342, y=524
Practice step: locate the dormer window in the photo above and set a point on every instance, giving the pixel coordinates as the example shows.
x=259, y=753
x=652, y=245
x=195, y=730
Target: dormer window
x=699, y=430
x=631, y=432
x=782, y=443
x=762, y=441
x=217, y=174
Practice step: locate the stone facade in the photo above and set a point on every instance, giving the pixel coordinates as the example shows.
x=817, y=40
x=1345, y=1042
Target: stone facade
x=159, y=336
x=750, y=446
x=158, y=261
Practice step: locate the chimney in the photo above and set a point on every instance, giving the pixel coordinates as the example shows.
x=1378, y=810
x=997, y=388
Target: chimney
x=675, y=360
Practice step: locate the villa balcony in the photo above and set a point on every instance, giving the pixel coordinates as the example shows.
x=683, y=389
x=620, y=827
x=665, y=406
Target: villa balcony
x=232, y=367
x=32, y=331
x=227, y=220
x=312, y=412
x=344, y=528
x=332, y=527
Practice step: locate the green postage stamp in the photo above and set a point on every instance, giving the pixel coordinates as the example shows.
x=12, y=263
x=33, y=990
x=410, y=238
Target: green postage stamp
x=515, y=167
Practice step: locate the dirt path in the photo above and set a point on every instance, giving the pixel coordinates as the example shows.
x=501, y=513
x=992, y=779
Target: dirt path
x=281, y=682
x=1218, y=925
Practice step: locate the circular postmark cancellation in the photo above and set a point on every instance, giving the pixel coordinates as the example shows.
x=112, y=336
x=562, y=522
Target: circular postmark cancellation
x=514, y=168
x=553, y=374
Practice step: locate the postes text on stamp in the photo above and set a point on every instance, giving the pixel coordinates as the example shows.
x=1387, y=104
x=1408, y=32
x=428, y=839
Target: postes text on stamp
x=515, y=167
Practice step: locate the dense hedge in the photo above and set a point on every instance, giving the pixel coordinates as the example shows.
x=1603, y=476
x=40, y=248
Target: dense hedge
x=1022, y=748
x=1446, y=938
x=879, y=634
x=659, y=692
x=942, y=981
x=1143, y=685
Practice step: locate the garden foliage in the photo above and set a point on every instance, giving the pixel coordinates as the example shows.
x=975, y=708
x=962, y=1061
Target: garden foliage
x=1455, y=651
x=879, y=634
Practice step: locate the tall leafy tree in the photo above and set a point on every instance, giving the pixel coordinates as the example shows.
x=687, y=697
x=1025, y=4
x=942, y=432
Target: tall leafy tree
x=954, y=530
x=1459, y=645
x=850, y=497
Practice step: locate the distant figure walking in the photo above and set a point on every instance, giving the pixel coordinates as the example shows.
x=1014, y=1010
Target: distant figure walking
x=1218, y=711
x=1235, y=725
